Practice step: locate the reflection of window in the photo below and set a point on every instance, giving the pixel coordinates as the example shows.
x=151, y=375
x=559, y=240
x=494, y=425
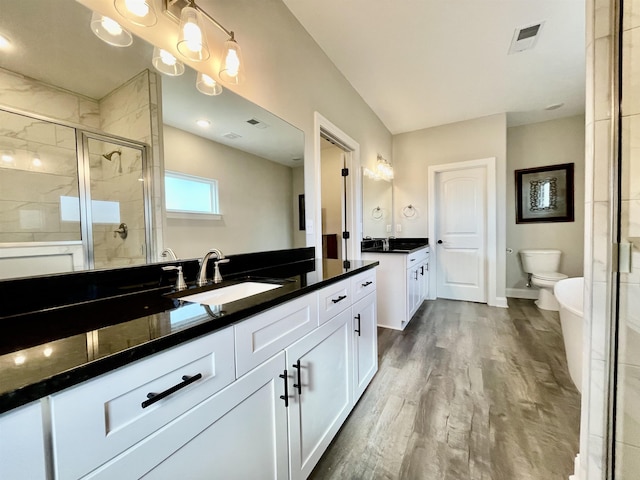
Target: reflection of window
x=101, y=211
x=190, y=194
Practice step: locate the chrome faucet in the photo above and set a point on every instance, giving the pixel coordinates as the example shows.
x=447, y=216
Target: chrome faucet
x=168, y=253
x=202, y=274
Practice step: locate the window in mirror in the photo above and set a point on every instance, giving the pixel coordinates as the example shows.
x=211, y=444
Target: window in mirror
x=190, y=194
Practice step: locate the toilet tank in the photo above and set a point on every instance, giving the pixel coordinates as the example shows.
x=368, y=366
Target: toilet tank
x=540, y=260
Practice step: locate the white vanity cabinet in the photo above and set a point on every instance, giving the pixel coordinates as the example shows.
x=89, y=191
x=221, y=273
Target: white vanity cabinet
x=22, y=447
x=101, y=418
x=365, y=344
x=402, y=285
x=262, y=398
x=320, y=387
x=239, y=433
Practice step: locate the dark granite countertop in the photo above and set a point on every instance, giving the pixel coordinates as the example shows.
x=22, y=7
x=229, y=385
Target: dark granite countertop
x=50, y=349
x=395, y=245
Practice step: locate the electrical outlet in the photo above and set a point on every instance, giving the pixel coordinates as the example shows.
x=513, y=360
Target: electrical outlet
x=388, y=228
x=398, y=228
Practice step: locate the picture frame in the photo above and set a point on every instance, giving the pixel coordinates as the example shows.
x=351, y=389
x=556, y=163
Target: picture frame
x=545, y=194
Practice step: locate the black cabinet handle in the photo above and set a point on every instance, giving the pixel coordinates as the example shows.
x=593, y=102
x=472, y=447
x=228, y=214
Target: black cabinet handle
x=299, y=384
x=155, y=397
x=339, y=299
x=366, y=284
x=357, y=317
x=422, y=270
x=440, y=242
x=285, y=397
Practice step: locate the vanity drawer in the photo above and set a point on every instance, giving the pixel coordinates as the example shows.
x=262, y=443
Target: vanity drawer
x=97, y=420
x=260, y=337
x=415, y=258
x=363, y=284
x=333, y=300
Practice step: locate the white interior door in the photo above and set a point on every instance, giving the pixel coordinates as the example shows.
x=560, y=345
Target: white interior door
x=461, y=218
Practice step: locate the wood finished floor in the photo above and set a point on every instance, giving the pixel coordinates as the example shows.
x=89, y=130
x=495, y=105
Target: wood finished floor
x=466, y=391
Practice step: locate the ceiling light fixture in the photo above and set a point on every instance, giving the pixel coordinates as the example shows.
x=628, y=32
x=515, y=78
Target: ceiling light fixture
x=110, y=31
x=166, y=63
x=207, y=85
x=203, y=123
x=36, y=162
x=138, y=12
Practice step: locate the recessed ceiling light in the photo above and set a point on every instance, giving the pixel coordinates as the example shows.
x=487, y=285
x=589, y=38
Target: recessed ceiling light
x=36, y=162
x=203, y=123
x=4, y=42
x=7, y=158
x=554, y=106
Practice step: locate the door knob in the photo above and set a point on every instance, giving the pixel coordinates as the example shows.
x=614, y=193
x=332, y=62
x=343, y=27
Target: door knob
x=440, y=242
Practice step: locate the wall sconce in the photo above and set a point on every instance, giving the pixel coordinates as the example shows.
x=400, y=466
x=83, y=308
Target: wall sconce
x=138, y=12
x=384, y=168
x=110, y=31
x=166, y=63
x=207, y=85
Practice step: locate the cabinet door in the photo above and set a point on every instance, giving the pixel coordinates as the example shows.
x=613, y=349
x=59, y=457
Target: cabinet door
x=323, y=401
x=22, y=444
x=239, y=433
x=365, y=344
x=413, y=291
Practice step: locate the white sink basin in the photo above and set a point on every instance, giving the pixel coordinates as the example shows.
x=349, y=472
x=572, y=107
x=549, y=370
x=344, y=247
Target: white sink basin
x=230, y=293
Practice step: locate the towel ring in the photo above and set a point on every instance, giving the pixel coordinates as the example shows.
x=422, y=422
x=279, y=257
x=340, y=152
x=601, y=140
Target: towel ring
x=409, y=211
x=377, y=213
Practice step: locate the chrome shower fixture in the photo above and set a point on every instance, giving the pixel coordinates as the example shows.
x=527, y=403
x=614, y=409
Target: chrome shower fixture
x=111, y=154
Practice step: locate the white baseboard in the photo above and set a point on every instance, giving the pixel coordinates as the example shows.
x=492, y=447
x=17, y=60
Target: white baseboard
x=578, y=474
x=501, y=302
x=529, y=293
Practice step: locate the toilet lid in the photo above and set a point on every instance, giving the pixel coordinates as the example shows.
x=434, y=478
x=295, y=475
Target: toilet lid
x=550, y=276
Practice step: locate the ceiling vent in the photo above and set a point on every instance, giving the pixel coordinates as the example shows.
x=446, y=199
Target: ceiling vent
x=231, y=135
x=525, y=38
x=257, y=123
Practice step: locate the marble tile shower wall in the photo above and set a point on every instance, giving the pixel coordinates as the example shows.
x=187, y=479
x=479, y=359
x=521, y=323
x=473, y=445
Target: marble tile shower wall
x=628, y=384
x=131, y=111
x=598, y=235
x=126, y=112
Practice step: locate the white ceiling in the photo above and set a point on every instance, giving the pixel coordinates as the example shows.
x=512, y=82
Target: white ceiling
x=421, y=63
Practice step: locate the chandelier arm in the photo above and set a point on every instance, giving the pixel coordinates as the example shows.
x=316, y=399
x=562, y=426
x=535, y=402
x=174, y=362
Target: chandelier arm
x=193, y=4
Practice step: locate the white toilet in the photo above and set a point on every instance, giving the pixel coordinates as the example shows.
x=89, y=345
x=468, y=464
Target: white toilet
x=542, y=265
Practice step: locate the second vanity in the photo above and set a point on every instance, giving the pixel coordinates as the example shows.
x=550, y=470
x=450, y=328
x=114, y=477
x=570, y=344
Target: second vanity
x=255, y=388
x=403, y=277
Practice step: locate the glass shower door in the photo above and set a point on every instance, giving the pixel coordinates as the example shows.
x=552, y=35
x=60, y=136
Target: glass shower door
x=116, y=230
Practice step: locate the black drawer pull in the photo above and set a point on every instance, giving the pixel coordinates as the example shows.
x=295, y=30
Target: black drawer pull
x=339, y=299
x=155, y=397
x=299, y=384
x=422, y=270
x=285, y=397
x=357, y=317
x=366, y=284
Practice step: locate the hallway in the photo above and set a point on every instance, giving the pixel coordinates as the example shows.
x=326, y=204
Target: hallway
x=467, y=391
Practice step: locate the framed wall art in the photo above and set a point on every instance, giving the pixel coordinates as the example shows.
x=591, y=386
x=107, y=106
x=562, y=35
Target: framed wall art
x=545, y=194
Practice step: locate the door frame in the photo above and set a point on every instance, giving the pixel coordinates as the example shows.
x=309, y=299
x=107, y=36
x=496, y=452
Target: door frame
x=354, y=182
x=491, y=227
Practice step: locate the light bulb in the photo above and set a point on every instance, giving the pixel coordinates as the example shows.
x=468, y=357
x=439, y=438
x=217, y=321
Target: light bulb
x=192, y=37
x=207, y=85
x=36, y=162
x=209, y=82
x=138, y=7
x=203, y=123
x=111, y=26
x=4, y=42
x=19, y=360
x=233, y=63
x=167, y=58
x=47, y=351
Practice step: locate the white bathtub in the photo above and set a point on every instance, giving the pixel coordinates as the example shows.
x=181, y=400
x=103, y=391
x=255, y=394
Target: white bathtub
x=569, y=294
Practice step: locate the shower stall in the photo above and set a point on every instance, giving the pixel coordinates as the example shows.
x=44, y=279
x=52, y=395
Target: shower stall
x=70, y=199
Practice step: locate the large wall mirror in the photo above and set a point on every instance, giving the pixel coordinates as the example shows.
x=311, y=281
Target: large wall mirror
x=377, y=206
x=88, y=131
